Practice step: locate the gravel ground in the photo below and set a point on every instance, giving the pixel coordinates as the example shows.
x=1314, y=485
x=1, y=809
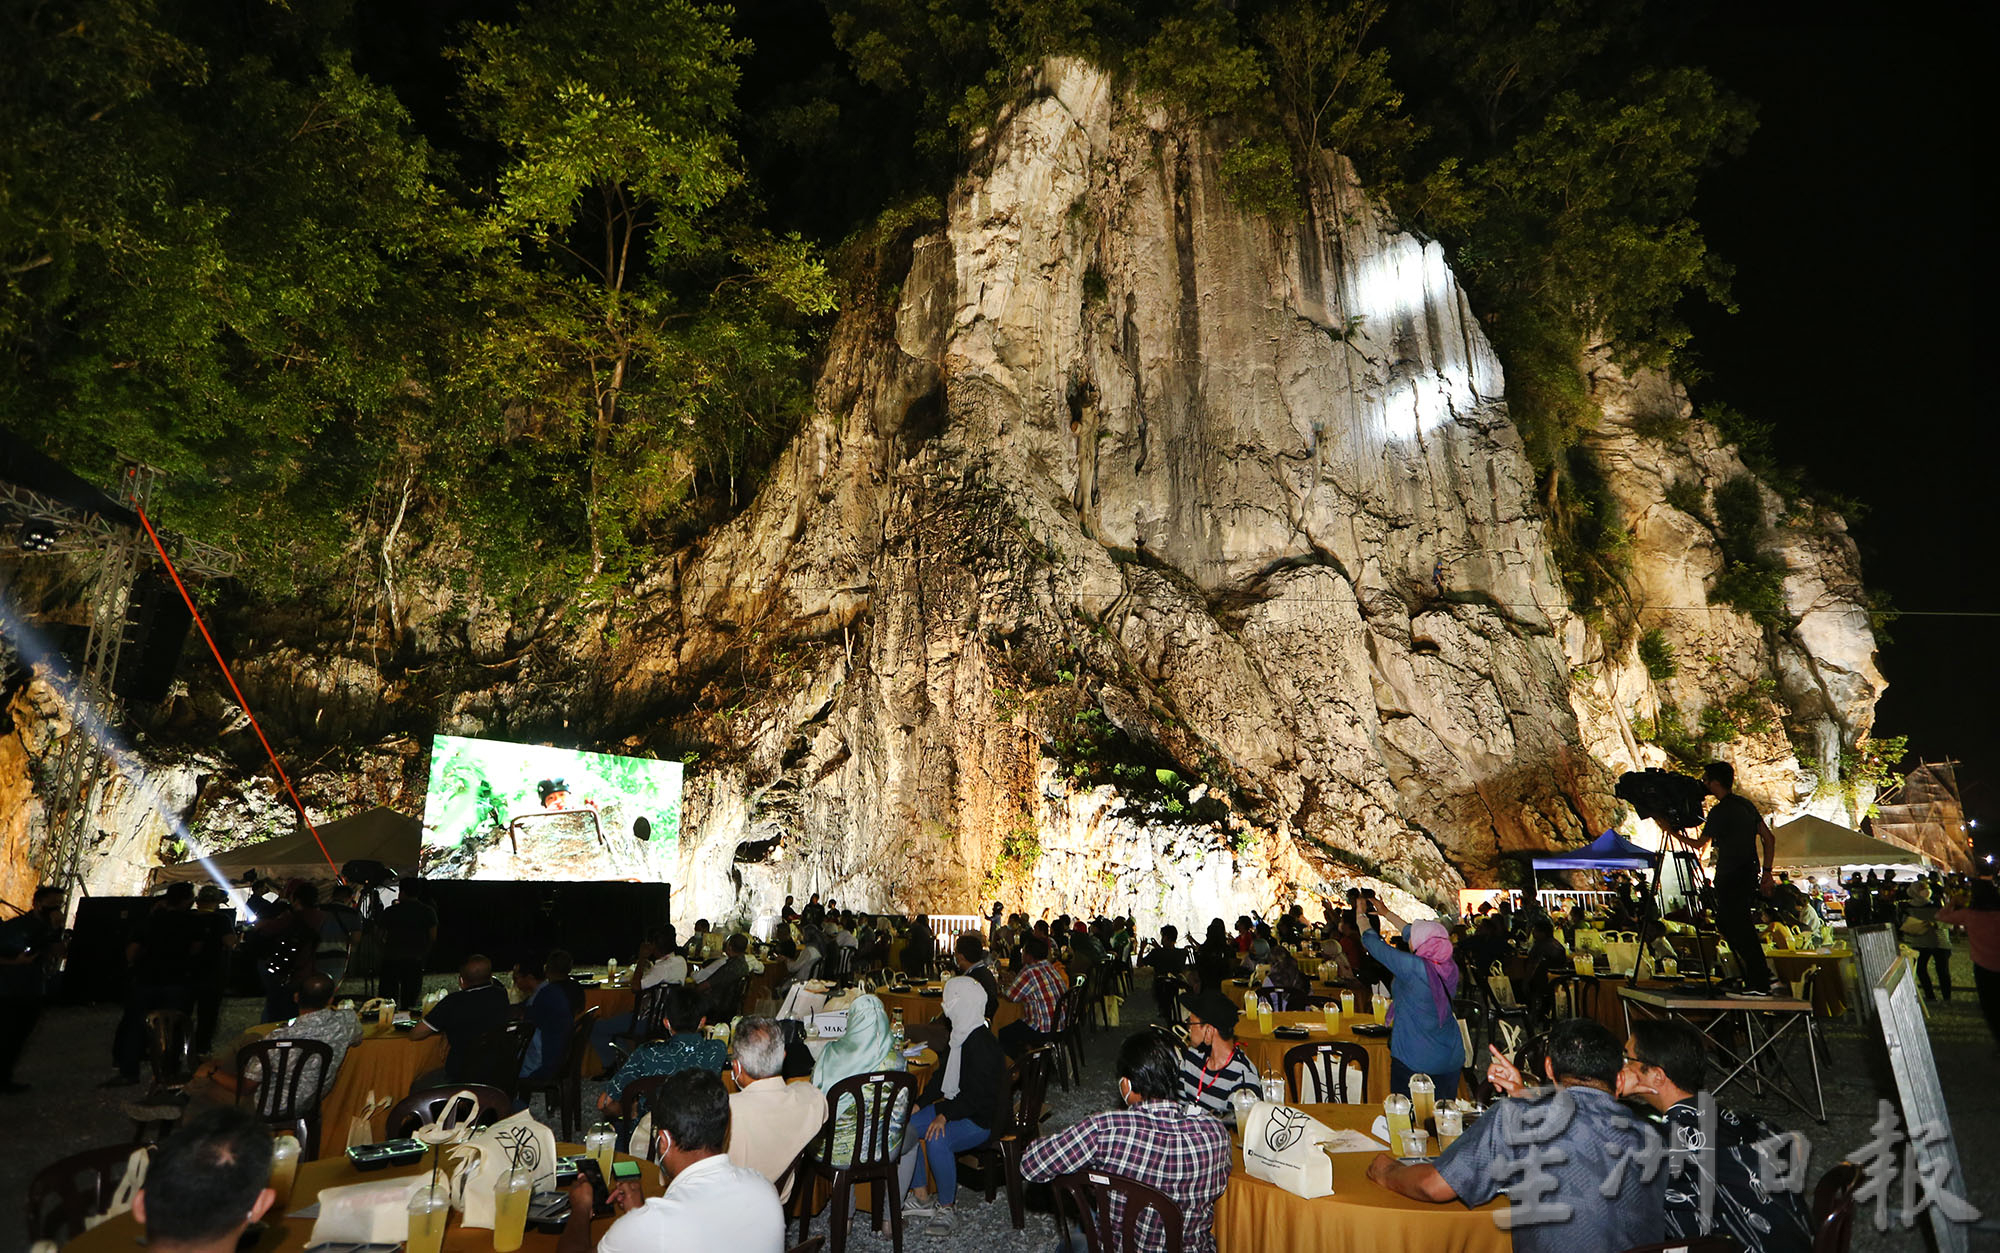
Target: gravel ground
x=69, y=1054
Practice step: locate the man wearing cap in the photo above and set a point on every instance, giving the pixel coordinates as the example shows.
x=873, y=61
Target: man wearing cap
x=1212, y=1066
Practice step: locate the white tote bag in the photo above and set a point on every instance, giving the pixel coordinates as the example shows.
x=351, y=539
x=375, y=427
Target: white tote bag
x=482, y=1160
x=1281, y=1146
x=375, y=1212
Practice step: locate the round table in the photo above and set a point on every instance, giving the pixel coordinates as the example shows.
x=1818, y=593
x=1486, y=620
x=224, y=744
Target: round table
x=918, y=1010
x=1268, y=1051
x=611, y=1001
x=282, y=1234
x=1360, y=1216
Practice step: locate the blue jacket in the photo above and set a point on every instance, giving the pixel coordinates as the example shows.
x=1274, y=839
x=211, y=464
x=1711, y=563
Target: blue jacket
x=1419, y=1041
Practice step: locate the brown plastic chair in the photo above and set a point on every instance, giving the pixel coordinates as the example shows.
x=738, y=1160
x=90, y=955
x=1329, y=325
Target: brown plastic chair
x=64, y=1193
x=649, y=1010
x=495, y=1058
x=1092, y=1193
x=418, y=1108
x=1328, y=1061
x=810, y=1246
x=1017, y=1125
x=637, y=1096
x=1068, y=1033
x=293, y=1073
x=564, y=1089
x=882, y=1102
x=1833, y=1208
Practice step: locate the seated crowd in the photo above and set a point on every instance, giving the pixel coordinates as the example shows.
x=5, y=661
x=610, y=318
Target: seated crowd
x=730, y=1124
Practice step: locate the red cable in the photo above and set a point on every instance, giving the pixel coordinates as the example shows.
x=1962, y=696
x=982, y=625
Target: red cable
x=242, y=704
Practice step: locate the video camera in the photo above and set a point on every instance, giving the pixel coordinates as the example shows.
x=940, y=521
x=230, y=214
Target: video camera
x=1672, y=800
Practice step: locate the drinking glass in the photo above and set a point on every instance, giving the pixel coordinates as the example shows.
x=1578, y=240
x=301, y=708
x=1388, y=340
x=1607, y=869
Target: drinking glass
x=1451, y=1125
x=510, y=1209
x=1423, y=1100
x=1397, y=1111
x=284, y=1169
x=1241, y=1100
x=1274, y=1091
x=1413, y=1144
x=1381, y=1009
x=1347, y=1002
x=429, y=1207
x=1264, y=1016
x=1332, y=1012
x=601, y=1143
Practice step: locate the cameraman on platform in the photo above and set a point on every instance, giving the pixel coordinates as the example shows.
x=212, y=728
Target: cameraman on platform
x=1737, y=831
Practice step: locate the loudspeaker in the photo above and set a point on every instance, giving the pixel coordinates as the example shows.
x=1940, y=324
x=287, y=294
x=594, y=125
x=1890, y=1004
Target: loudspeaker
x=94, y=969
x=157, y=625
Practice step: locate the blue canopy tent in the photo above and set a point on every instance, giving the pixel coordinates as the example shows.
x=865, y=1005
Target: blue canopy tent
x=1610, y=851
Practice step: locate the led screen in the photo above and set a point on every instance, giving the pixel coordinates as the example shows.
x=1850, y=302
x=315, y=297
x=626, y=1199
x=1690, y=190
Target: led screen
x=497, y=810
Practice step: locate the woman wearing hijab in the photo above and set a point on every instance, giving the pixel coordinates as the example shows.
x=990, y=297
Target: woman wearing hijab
x=1422, y=983
x=957, y=1105
x=867, y=1047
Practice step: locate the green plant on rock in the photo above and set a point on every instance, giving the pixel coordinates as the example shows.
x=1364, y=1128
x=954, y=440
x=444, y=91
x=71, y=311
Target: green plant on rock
x=1657, y=655
x=1687, y=496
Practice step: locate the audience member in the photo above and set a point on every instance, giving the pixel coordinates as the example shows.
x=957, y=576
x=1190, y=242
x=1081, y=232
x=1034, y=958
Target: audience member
x=162, y=965
x=338, y=1029
x=867, y=1046
x=1039, y=990
x=463, y=1018
x=1168, y=959
x=30, y=945
x=339, y=923
x=1212, y=1066
x=1155, y=1137
x=1423, y=982
x=559, y=964
x=1576, y=1134
x=969, y=955
x=209, y=975
x=1980, y=916
x=685, y=1047
x=769, y=1120
x=710, y=1202
x=1666, y=1067
x=206, y=1184
x=544, y=1005
x=409, y=928
x=957, y=1105
x=716, y=979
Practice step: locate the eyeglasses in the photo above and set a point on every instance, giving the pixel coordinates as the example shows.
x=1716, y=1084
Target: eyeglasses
x=1636, y=1061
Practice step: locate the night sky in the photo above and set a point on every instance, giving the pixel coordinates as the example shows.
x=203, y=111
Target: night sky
x=1852, y=225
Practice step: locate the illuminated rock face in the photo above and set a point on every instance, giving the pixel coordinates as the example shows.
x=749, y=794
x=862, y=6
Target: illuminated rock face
x=1250, y=487
x=1125, y=480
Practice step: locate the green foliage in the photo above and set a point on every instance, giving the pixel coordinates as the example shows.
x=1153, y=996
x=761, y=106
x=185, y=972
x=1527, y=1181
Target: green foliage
x=1745, y=712
x=1687, y=496
x=1870, y=766
x=1752, y=580
x=1657, y=655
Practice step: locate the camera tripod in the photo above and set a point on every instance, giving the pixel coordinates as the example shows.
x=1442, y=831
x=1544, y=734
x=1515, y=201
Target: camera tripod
x=1696, y=882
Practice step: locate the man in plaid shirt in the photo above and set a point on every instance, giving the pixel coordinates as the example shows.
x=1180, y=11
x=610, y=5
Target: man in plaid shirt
x=1157, y=1138
x=1038, y=989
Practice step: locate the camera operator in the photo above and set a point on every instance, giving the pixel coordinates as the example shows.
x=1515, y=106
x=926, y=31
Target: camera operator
x=1737, y=832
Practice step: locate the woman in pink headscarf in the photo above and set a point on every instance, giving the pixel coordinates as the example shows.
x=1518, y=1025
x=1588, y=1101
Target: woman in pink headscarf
x=1423, y=981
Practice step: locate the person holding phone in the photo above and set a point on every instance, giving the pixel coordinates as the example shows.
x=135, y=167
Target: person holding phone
x=709, y=1201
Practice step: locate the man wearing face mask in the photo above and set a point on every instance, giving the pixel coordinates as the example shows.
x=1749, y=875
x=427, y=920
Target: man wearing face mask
x=710, y=1202
x=1156, y=1137
x=1212, y=1066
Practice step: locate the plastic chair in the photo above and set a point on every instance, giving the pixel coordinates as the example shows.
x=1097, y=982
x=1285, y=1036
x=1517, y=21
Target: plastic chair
x=1328, y=1061
x=418, y=1108
x=882, y=1104
x=78, y=1186
x=495, y=1059
x=810, y=1246
x=564, y=1088
x=1068, y=1031
x=1833, y=1208
x=1018, y=1124
x=1095, y=1194
x=1574, y=993
x=292, y=1075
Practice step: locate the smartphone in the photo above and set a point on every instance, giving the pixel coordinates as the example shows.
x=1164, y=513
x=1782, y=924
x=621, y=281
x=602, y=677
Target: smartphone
x=622, y=1171
x=600, y=1191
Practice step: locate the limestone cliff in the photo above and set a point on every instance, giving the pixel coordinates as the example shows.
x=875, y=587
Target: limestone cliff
x=1140, y=553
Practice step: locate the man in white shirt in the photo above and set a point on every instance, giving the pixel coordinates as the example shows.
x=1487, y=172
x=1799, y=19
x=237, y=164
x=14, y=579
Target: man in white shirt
x=670, y=967
x=710, y=1202
x=769, y=1120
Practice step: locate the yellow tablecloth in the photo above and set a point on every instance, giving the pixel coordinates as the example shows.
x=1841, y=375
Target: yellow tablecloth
x=922, y=1009
x=385, y=1063
x=122, y=1234
x=1360, y=1217
x=1268, y=1052
x=1830, y=991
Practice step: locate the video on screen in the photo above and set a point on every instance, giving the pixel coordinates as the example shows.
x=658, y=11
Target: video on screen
x=497, y=810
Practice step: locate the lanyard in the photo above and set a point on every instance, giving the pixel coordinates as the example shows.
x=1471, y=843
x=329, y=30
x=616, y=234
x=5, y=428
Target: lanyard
x=1208, y=1076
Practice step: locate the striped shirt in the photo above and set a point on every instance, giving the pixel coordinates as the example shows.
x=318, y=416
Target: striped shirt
x=1163, y=1144
x=1210, y=1089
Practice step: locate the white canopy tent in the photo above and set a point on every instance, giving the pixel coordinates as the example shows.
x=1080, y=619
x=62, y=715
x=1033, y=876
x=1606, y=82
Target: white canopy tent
x=1809, y=843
